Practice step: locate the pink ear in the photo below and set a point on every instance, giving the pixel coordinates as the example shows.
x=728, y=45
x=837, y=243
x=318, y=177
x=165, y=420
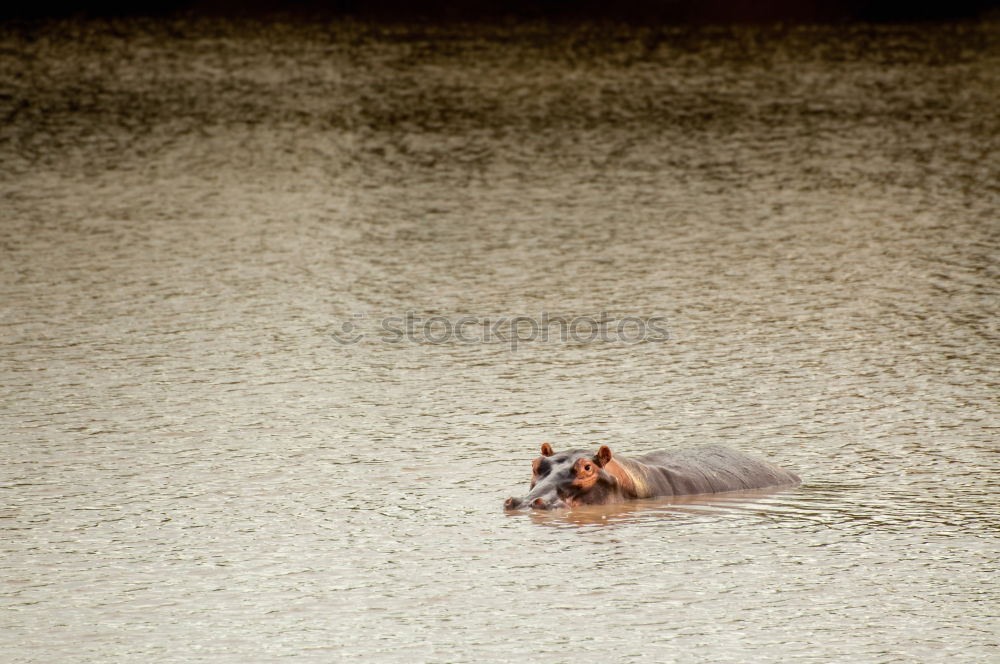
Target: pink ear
x=547, y=450
x=603, y=456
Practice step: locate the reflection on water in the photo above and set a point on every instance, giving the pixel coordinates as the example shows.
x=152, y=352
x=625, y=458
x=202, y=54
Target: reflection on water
x=194, y=468
x=658, y=509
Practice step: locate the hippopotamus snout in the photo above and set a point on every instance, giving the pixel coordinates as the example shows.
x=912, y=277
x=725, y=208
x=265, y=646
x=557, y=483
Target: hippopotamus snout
x=539, y=503
x=512, y=503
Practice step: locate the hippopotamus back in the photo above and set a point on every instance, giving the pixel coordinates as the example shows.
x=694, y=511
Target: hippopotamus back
x=709, y=469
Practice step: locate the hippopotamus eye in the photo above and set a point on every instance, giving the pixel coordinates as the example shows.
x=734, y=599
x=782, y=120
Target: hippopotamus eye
x=587, y=468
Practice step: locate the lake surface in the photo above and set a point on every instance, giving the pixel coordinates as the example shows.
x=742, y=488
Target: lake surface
x=198, y=216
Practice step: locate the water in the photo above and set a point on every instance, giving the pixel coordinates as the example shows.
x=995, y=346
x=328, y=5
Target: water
x=196, y=470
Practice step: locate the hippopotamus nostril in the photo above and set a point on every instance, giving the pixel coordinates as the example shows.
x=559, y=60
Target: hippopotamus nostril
x=538, y=504
x=511, y=503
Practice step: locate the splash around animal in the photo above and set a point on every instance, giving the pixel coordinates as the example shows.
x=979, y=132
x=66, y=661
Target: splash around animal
x=583, y=477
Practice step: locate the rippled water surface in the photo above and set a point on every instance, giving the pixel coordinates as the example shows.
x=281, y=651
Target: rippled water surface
x=195, y=469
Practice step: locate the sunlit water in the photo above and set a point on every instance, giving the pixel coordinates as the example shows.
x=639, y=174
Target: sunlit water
x=196, y=470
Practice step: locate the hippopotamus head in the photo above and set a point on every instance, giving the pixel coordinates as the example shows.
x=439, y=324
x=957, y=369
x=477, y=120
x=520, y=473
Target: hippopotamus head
x=568, y=479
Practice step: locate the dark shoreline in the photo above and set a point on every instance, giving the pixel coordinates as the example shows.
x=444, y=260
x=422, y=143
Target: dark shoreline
x=645, y=12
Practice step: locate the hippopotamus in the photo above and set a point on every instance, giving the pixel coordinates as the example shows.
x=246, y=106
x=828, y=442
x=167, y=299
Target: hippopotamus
x=583, y=477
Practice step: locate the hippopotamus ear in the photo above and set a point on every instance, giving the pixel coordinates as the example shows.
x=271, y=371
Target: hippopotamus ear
x=547, y=450
x=603, y=456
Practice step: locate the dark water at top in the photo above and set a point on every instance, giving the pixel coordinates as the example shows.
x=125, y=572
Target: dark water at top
x=196, y=470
